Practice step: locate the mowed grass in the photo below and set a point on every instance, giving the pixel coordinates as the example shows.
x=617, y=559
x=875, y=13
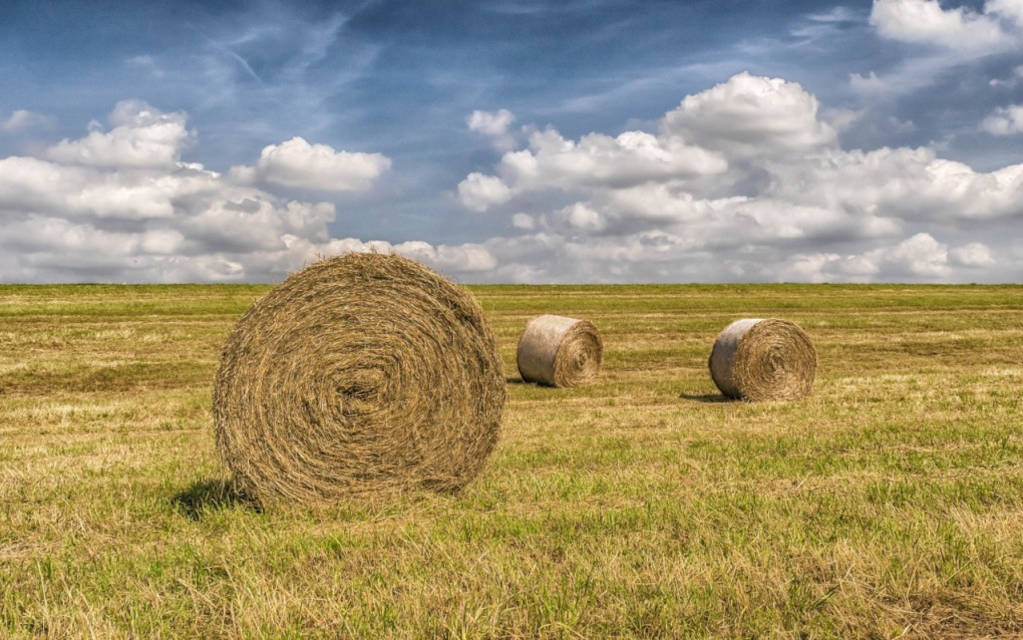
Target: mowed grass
x=889, y=504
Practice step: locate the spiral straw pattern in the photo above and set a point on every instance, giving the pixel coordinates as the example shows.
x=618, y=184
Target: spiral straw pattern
x=559, y=351
x=756, y=359
x=362, y=373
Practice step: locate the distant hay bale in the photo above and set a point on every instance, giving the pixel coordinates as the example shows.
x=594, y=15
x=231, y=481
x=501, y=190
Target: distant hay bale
x=757, y=359
x=559, y=351
x=359, y=374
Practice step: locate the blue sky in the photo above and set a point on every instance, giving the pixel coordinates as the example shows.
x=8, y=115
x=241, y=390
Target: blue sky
x=514, y=141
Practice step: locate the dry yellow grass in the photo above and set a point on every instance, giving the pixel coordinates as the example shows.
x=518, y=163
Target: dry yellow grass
x=887, y=504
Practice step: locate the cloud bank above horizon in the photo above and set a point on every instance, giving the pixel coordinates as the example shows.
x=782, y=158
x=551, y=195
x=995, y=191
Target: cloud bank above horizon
x=748, y=177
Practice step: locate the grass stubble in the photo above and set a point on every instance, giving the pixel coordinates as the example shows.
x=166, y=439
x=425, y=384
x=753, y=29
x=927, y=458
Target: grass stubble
x=887, y=504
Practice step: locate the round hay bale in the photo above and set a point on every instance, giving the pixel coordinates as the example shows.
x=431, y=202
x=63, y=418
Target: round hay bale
x=757, y=359
x=559, y=351
x=359, y=374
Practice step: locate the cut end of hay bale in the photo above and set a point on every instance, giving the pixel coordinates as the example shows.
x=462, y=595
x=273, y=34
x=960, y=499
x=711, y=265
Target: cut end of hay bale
x=756, y=359
x=559, y=351
x=359, y=374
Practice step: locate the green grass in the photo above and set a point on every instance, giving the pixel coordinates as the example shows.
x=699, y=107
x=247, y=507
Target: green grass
x=889, y=504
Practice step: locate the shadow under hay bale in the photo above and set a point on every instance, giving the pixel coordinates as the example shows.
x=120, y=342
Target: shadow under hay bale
x=559, y=351
x=756, y=359
x=360, y=374
x=208, y=495
x=708, y=398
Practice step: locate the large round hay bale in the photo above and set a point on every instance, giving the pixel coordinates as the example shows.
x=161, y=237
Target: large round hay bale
x=559, y=351
x=757, y=359
x=359, y=374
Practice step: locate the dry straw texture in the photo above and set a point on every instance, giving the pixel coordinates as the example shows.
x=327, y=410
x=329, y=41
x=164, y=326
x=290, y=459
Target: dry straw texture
x=559, y=351
x=359, y=374
x=756, y=359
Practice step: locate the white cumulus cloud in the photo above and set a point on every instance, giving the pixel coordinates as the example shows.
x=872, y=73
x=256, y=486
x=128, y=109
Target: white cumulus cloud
x=495, y=125
x=553, y=162
x=918, y=258
x=743, y=181
x=21, y=119
x=142, y=137
x=479, y=192
x=1008, y=9
x=926, y=22
x=297, y=164
x=523, y=221
x=1005, y=121
x=974, y=254
x=120, y=205
x=941, y=36
x=752, y=116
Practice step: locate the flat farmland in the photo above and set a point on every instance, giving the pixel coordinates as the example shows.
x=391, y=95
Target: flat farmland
x=889, y=504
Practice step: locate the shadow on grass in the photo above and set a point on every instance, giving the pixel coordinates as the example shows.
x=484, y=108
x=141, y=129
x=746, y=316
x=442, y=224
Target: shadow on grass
x=515, y=380
x=211, y=495
x=709, y=398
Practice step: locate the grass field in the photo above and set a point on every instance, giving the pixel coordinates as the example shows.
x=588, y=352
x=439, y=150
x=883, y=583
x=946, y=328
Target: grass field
x=889, y=504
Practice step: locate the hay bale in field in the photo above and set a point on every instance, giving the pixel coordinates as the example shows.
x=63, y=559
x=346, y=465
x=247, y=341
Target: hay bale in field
x=559, y=351
x=359, y=374
x=756, y=359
